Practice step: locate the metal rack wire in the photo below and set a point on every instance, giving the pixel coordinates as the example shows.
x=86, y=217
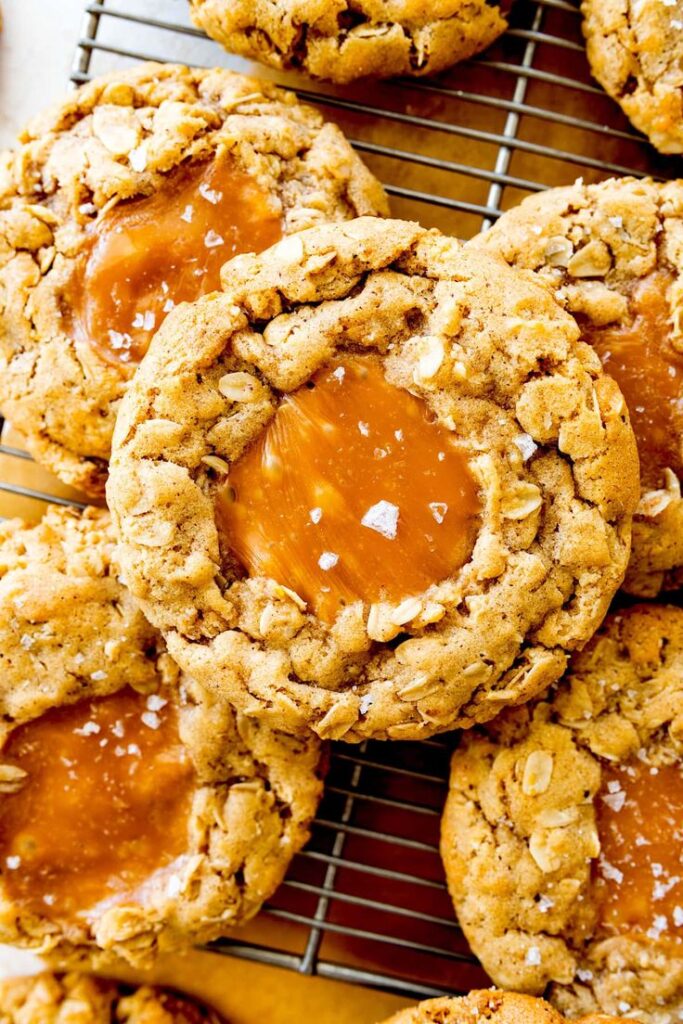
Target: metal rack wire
x=366, y=901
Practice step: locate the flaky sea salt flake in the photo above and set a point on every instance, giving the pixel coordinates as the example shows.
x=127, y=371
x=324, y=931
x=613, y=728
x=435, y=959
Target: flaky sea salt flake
x=383, y=519
x=328, y=560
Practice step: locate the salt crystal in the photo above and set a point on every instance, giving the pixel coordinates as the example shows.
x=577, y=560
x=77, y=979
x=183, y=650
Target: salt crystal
x=614, y=786
x=89, y=729
x=13, y=862
x=438, y=510
x=117, y=729
x=364, y=428
x=616, y=221
x=657, y=870
x=659, y=925
x=533, y=956
x=212, y=239
x=49, y=899
x=584, y=975
x=26, y=641
x=615, y=801
x=210, y=194
x=339, y=373
x=545, y=904
x=623, y=1006
x=134, y=749
x=441, y=456
x=609, y=872
x=168, y=305
x=678, y=916
x=150, y=719
x=87, y=209
x=117, y=340
x=366, y=703
x=174, y=886
x=119, y=750
x=328, y=560
x=676, y=23
x=660, y=889
x=187, y=214
x=98, y=676
x=155, y=702
x=526, y=445
x=382, y=518
x=316, y=515
x=398, y=434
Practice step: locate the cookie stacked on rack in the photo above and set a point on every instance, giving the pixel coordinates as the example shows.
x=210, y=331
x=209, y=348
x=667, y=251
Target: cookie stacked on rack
x=365, y=482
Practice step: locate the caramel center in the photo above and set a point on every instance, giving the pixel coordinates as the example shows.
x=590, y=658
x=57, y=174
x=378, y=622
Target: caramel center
x=104, y=805
x=150, y=253
x=351, y=492
x=649, y=372
x=640, y=870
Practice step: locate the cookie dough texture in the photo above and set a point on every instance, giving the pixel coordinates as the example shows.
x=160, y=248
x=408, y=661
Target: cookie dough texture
x=636, y=52
x=497, y=362
x=487, y=1006
x=113, y=139
x=79, y=999
x=341, y=40
x=69, y=631
x=591, y=244
x=519, y=836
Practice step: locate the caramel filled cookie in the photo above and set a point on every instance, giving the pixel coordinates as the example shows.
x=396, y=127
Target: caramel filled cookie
x=138, y=813
x=125, y=200
x=79, y=999
x=636, y=51
x=340, y=40
x=376, y=487
x=487, y=1005
x=563, y=831
x=613, y=254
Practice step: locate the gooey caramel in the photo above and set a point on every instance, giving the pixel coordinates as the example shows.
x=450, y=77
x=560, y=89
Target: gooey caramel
x=351, y=493
x=639, y=876
x=649, y=372
x=148, y=254
x=105, y=803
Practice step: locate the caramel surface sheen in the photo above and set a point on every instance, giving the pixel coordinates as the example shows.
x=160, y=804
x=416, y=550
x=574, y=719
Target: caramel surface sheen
x=640, y=869
x=351, y=492
x=105, y=803
x=649, y=372
x=150, y=253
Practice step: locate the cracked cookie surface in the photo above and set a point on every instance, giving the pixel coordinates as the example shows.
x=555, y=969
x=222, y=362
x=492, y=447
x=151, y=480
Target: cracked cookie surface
x=561, y=833
x=493, y=361
x=487, y=1005
x=635, y=51
x=341, y=41
x=211, y=806
x=80, y=999
x=117, y=141
x=603, y=249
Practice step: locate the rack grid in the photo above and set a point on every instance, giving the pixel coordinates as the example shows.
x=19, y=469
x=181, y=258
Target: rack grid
x=366, y=902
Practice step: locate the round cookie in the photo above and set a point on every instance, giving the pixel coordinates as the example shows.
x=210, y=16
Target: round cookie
x=613, y=255
x=127, y=198
x=138, y=813
x=376, y=488
x=486, y=1005
x=635, y=52
x=562, y=837
x=341, y=41
x=80, y=999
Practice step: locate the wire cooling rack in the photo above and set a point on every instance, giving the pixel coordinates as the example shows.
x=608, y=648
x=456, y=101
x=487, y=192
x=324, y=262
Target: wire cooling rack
x=366, y=901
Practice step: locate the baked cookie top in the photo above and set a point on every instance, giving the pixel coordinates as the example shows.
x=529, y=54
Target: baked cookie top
x=635, y=52
x=137, y=812
x=79, y=999
x=340, y=40
x=487, y=1005
x=613, y=254
x=562, y=833
x=127, y=198
x=376, y=487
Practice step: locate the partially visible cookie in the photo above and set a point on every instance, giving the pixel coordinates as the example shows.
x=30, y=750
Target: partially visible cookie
x=375, y=487
x=126, y=199
x=341, y=40
x=562, y=834
x=81, y=999
x=613, y=255
x=487, y=1005
x=138, y=813
x=635, y=52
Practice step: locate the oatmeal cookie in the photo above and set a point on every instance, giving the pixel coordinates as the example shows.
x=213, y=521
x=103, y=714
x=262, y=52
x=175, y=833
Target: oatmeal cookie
x=376, y=487
x=340, y=40
x=636, y=52
x=562, y=836
x=613, y=254
x=487, y=1005
x=80, y=999
x=137, y=812
x=126, y=199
